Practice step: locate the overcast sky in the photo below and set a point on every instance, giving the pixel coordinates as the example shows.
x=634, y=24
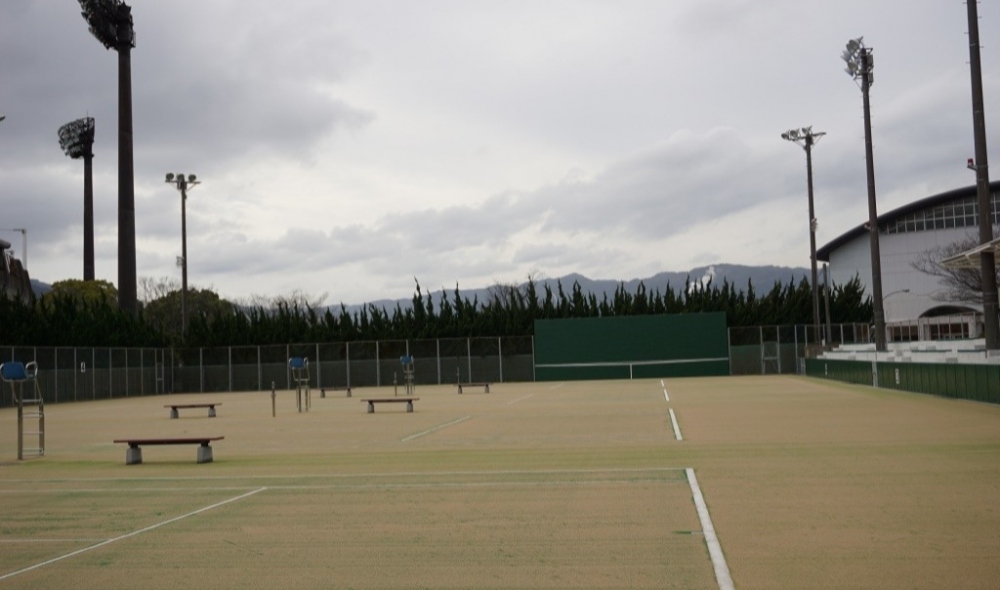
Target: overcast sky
x=346, y=147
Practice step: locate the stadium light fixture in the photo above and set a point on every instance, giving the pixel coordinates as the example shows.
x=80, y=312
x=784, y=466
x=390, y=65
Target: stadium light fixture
x=807, y=138
x=77, y=140
x=111, y=23
x=859, y=66
x=182, y=184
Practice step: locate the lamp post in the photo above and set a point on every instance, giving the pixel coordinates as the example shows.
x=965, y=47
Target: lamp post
x=859, y=66
x=77, y=140
x=806, y=138
x=182, y=183
x=987, y=261
x=111, y=23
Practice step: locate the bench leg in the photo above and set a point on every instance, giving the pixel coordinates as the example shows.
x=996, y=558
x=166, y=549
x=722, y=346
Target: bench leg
x=133, y=456
x=487, y=388
x=409, y=405
x=371, y=407
x=173, y=413
x=204, y=454
x=460, y=389
x=211, y=410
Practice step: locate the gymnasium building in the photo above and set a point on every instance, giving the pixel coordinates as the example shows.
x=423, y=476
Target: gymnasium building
x=917, y=305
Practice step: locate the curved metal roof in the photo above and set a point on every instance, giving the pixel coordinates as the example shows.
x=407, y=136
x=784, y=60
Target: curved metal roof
x=823, y=253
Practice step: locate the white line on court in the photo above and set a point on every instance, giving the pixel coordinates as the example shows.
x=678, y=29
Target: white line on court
x=343, y=475
x=517, y=399
x=666, y=396
x=127, y=535
x=677, y=428
x=436, y=428
x=557, y=386
x=714, y=548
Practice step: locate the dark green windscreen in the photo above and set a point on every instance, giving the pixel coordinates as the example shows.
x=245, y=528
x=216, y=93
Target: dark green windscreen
x=631, y=347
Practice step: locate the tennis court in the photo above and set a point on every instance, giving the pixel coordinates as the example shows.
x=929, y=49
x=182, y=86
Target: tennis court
x=737, y=482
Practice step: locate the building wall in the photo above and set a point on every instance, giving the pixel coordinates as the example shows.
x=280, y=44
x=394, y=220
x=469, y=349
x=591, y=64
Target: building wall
x=898, y=253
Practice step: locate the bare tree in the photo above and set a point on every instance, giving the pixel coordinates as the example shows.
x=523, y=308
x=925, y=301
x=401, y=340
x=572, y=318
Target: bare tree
x=963, y=285
x=151, y=289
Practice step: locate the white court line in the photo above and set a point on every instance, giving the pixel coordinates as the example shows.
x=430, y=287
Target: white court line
x=337, y=476
x=419, y=434
x=714, y=548
x=515, y=400
x=127, y=535
x=557, y=386
x=677, y=428
x=664, y=386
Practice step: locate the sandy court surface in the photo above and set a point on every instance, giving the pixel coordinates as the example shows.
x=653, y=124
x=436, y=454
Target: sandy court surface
x=809, y=484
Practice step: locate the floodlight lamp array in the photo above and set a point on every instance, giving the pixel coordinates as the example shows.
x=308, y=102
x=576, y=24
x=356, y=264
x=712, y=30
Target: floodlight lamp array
x=859, y=60
x=804, y=136
x=110, y=21
x=77, y=138
x=181, y=181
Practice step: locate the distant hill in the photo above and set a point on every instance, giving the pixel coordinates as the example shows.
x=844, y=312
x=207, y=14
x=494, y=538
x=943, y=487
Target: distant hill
x=763, y=279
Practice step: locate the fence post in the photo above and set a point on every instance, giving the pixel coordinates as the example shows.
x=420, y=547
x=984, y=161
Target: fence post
x=230, y=351
x=468, y=357
x=260, y=372
x=319, y=368
x=437, y=342
x=500, y=355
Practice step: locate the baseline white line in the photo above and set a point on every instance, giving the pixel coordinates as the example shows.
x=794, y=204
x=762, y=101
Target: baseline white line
x=336, y=476
x=677, y=428
x=127, y=535
x=515, y=400
x=714, y=548
x=419, y=434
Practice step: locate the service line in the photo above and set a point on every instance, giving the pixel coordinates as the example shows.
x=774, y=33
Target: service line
x=666, y=396
x=436, y=428
x=714, y=548
x=677, y=428
x=517, y=399
x=127, y=535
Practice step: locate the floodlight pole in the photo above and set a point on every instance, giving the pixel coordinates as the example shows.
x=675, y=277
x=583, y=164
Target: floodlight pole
x=987, y=260
x=111, y=23
x=860, y=66
x=806, y=138
x=880, y=343
x=77, y=140
x=182, y=183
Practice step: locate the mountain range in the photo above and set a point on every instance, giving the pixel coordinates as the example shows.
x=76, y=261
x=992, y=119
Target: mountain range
x=763, y=279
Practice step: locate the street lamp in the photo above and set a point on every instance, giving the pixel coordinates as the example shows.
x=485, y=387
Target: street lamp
x=111, y=23
x=859, y=66
x=987, y=261
x=182, y=183
x=806, y=138
x=77, y=140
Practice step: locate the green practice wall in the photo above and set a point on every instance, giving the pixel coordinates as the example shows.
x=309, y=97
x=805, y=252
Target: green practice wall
x=682, y=345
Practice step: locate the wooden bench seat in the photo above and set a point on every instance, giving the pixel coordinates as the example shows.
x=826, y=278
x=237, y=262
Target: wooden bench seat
x=133, y=455
x=390, y=400
x=485, y=386
x=175, y=407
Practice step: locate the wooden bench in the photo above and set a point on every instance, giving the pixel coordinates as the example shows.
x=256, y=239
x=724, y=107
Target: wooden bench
x=175, y=407
x=485, y=386
x=133, y=455
x=389, y=400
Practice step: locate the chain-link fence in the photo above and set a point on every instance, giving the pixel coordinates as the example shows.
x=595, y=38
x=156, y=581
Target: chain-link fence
x=79, y=374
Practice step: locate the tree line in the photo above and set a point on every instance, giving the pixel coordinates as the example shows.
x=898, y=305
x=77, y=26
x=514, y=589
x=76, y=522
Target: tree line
x=84, y=313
